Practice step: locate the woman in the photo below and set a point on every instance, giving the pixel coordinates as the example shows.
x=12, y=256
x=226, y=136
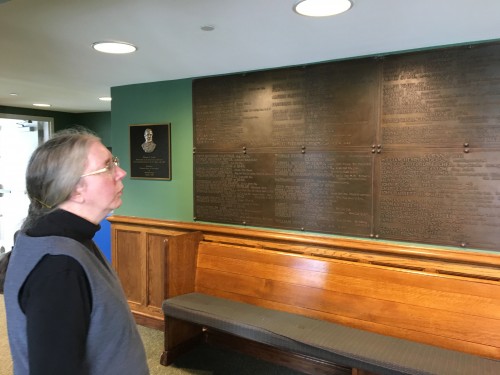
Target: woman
x=66, y=310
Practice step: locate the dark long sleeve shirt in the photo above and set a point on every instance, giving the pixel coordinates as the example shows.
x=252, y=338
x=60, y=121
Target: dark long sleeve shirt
x=57, y=300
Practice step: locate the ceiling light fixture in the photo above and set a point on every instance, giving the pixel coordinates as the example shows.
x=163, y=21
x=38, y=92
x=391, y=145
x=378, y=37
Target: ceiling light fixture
x=322, y=8
x=114, y=47
x=105, y=98
x=41, y=105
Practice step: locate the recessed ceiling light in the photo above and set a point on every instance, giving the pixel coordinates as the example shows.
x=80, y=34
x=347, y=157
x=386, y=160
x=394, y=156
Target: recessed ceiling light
x=322, y=8
x=208, y=28
x=114, y=47
x=105, y=98
x=41, y=105
x=13, y=94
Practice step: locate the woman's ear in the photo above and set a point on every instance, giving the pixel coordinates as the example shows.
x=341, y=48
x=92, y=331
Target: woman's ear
x=77, y=196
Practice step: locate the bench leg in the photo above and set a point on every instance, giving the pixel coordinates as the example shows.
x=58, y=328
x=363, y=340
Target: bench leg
x=180, y=337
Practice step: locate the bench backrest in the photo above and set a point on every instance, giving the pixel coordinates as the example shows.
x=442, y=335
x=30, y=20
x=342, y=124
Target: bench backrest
x=453, y=311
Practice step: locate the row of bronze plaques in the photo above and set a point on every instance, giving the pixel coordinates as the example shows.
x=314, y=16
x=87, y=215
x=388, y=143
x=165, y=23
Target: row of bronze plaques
x=405, y=148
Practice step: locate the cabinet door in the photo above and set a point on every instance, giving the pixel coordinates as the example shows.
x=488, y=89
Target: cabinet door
x=153, y=265
x=129, y=262
x=180, y=269
x=171, y=266
x=156, y=282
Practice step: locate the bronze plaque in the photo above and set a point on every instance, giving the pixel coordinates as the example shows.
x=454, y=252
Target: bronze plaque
x=311, y=191
x=442, y=196
x=150, y=151
x=448, y=97
x=405, y=147
x=321, y=106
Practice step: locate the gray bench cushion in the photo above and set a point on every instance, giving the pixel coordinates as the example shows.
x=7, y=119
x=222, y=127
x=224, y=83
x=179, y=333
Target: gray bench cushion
x=324, y=340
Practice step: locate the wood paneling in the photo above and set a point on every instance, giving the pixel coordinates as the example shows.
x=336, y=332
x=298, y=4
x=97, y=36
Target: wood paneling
x=443, y=297
x=148, y=262
x=449, y=311
x=129, y=263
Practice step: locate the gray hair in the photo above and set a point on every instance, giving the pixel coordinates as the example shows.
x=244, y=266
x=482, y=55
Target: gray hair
x=54, y=171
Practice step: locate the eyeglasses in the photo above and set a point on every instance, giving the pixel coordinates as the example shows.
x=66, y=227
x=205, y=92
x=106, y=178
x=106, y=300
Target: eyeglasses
x=109, y=167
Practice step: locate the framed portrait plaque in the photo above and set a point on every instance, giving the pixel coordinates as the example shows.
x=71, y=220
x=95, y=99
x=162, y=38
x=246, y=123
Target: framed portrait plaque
x=150, y=155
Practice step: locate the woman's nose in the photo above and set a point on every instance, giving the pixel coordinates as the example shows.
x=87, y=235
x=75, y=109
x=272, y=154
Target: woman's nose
x=120, y=173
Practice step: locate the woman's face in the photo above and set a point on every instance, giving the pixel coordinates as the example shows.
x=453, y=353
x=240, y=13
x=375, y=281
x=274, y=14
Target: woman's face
x=101, y=192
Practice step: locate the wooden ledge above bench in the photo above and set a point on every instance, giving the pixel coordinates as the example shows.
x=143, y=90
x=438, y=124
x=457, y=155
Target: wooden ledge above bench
x=476, y=265
x=446, y=298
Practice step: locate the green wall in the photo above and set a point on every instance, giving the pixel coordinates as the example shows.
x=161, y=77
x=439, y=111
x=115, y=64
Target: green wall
x=156, y=103
x=98, y=122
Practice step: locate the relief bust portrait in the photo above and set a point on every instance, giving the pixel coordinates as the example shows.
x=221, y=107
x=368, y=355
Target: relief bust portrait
x=149, y=145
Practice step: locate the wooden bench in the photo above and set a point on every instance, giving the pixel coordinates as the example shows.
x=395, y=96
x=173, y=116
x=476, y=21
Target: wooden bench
x=364, y=308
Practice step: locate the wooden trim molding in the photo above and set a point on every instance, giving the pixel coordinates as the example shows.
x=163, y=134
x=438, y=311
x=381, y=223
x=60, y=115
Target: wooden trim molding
x=460, y=263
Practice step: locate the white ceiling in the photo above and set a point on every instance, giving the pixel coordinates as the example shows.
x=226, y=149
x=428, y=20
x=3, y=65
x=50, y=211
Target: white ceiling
x=46, y=54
